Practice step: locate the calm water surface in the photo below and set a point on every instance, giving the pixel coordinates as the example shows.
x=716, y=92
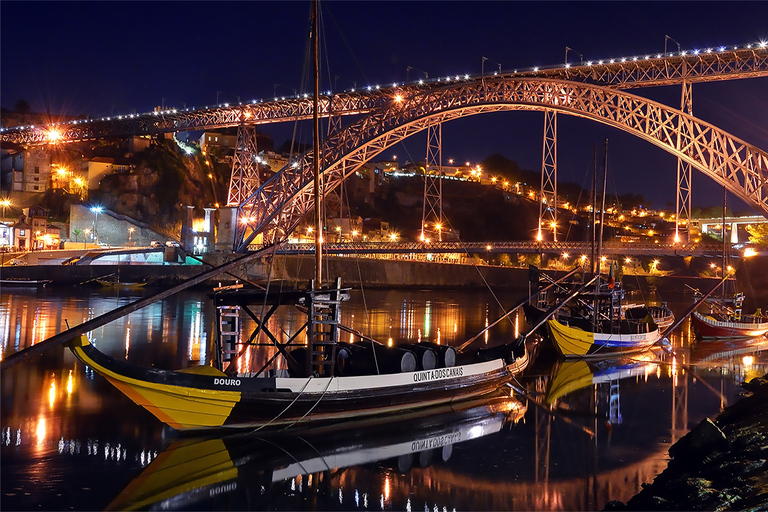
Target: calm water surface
x=70, y=441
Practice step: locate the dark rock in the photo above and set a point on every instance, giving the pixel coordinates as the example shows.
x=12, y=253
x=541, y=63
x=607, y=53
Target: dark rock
x=705, y=438
x=615, y=505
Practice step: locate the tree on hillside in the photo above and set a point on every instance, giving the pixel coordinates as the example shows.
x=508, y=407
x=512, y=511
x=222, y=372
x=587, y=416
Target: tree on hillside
x=499, y=165
x=758, y=234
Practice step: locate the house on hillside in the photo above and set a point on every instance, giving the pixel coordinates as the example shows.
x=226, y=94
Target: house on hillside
x=101, y=166
x=33, y=232
x=25, y=170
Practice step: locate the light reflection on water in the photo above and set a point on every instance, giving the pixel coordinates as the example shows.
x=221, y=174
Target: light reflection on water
x=70, y=440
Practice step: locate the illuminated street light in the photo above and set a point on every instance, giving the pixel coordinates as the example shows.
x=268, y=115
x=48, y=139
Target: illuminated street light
x=97, y=210
x=5, y=203
x=130, y=233
x=53, y=135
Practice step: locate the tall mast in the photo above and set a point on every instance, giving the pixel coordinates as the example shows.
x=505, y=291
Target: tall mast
x=594, y=204
x=316, y=147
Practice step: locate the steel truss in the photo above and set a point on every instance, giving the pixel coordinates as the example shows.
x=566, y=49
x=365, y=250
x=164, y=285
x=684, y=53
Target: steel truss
x=683, y=201
x=432, y=208
x=554, y=248
x=548, y=199
x=645, y=71
x=281, y=202
x=245, y=178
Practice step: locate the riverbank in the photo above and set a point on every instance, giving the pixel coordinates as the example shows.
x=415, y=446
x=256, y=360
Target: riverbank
x=299, y=270
x=718, y=465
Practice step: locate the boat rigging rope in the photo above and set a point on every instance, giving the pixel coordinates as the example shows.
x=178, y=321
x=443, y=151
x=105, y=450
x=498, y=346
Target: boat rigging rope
x=301, y=391
x=313, y=406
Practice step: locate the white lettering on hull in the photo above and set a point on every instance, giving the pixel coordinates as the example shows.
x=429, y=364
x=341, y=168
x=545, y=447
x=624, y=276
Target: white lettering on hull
x=437, y=374
x=226, y=382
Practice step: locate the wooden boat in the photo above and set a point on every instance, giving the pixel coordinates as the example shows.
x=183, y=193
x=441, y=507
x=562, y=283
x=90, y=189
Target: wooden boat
x=324, y=381
x=206, y=473
x=577, y=331
x=23, y=282
x=572, y=340
x=712, y=326
x=120, y=284
x=725, y=320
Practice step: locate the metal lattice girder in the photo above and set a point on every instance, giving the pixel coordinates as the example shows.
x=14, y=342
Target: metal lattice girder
x=496, y=247
x=683, y=201
x=245, y=167
x=645, y=71
x=731, y=162
x=548, y=198
x=432, y=209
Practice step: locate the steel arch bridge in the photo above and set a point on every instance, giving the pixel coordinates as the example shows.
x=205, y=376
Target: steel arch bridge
x=277, y=207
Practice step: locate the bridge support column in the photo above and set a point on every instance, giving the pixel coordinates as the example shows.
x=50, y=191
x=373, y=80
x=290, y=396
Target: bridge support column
x=432, y=224
x=225, y=234
x=683, y=201
x=187, y=238
x=734, y=233
x=548, y=199
x=245, y=168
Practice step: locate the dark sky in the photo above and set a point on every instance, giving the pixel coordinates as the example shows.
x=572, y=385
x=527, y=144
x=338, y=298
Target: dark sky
x=106, y=57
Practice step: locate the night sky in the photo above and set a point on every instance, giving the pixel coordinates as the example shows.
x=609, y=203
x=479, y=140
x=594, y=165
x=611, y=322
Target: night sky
x=102, y=58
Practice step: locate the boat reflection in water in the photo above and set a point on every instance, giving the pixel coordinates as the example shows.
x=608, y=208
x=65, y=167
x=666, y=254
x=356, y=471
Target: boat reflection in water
x=251, y=470
x=739, y=358
x=569, y=375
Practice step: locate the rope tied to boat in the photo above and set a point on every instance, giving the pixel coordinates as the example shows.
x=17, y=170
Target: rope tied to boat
x=301, y=392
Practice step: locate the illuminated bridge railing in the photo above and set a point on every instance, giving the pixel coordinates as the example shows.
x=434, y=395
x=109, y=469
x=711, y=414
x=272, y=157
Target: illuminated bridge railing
x=573, y=249
x=709, y=64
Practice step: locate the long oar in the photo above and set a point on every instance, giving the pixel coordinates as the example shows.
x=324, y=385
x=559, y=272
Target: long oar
x=514, y=308
x=62, y=337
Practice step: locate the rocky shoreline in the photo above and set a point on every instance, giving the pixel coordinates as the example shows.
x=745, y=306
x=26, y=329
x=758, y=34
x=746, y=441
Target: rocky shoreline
x=718, y=465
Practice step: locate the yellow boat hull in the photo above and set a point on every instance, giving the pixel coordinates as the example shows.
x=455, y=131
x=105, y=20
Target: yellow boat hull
x=575, y=342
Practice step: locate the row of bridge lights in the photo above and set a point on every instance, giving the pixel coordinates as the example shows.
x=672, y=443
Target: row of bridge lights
x=53, y=137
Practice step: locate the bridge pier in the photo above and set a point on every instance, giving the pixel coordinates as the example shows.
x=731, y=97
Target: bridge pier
x=225, y=234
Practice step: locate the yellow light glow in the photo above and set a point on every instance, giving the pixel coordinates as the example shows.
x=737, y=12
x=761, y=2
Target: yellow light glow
x=749, y=252
x=52, y=394
x=70, y=384
x=53, y=135
x=40, y=430
x=748, y=360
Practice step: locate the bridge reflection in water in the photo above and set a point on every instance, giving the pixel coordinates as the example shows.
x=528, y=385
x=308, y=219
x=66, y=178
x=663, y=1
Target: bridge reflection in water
x=66, y=427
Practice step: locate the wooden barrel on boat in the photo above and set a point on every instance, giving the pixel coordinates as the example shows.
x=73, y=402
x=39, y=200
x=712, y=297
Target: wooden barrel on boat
x=426, y=358
x=370, y=359
x=446, y=356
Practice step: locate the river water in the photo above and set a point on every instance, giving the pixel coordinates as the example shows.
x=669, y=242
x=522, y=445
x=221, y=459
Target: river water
x=71, y=441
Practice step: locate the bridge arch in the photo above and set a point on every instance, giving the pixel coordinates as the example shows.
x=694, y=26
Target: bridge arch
x=278, y=206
